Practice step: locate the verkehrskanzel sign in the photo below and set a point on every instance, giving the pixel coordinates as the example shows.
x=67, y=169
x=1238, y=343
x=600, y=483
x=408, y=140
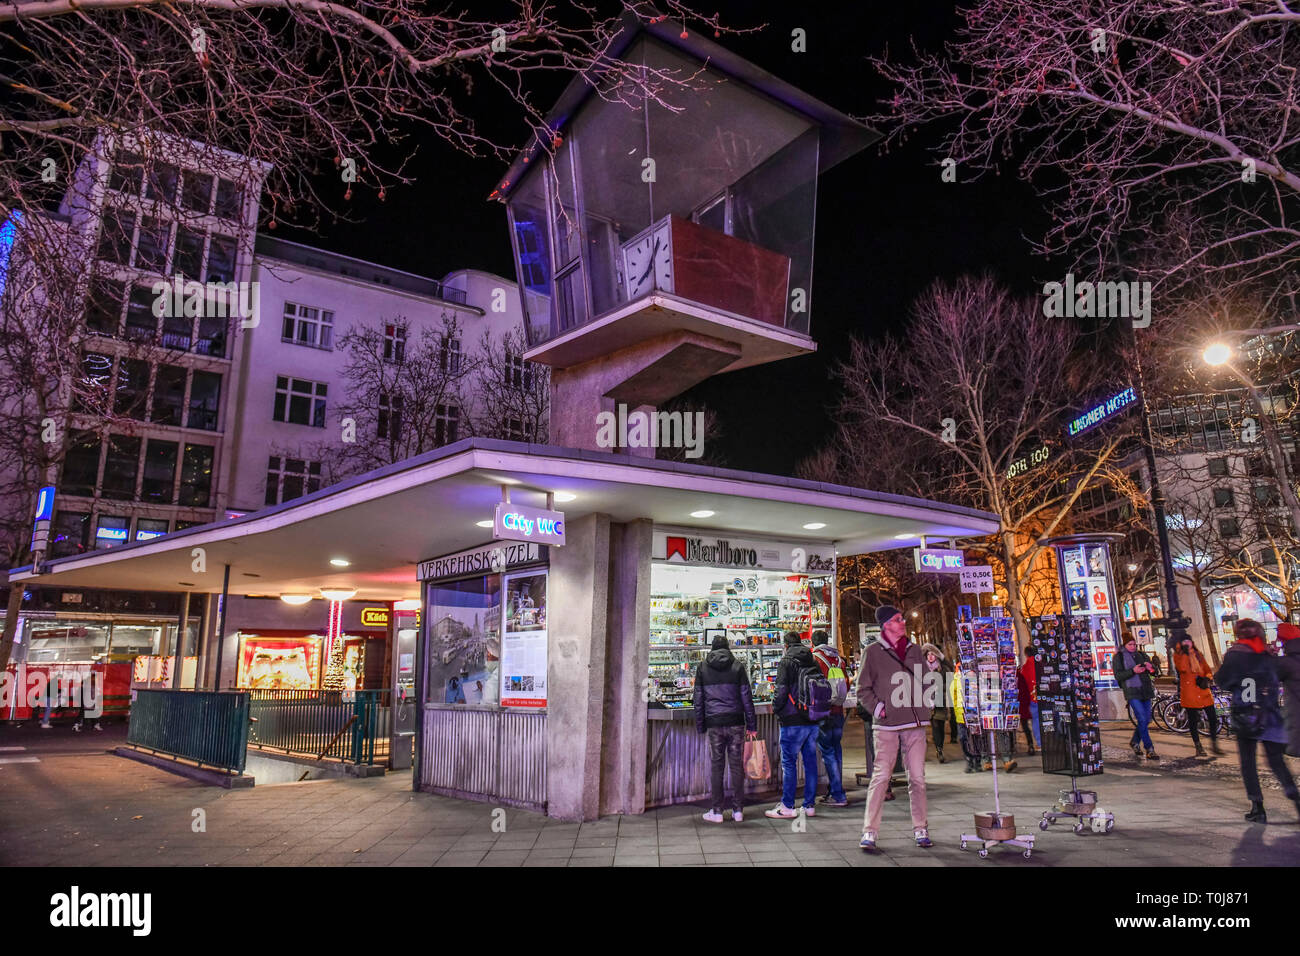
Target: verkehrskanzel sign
x=487, y=559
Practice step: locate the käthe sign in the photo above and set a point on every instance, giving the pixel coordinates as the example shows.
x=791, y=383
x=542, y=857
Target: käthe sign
x=519, y=523
x=977, y=579
x=938, y=561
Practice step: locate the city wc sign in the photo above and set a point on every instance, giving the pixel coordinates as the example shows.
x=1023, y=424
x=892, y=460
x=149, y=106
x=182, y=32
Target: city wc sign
x=938, y=560
x=519, y=523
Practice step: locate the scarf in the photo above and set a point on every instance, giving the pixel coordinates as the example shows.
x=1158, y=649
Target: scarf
x=1256, y=644
x=1129, y=662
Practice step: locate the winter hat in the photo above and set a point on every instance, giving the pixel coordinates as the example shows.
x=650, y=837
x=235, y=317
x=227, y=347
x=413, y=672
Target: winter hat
x=819, y=638
x=792, y=638
x=1251, y=633
x=1288, y=632
x=930, y=648
x=885, y=612
x=720, y=643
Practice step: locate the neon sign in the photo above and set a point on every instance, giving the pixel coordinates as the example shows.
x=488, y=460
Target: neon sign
x=1107, y=409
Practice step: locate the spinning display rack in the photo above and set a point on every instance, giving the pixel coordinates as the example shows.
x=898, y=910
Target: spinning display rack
x=987, y=648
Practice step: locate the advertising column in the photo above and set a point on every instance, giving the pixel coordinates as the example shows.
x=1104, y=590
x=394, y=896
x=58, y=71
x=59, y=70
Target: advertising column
x=1088, y=593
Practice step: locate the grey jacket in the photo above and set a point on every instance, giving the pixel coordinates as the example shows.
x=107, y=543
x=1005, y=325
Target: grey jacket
x=897, y=684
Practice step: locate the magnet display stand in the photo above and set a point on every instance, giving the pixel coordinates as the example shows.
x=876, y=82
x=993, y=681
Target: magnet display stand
x=987, y=648
x=1068, y=727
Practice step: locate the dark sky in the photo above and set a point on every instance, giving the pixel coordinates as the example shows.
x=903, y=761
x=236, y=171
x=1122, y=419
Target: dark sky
x=886, y=225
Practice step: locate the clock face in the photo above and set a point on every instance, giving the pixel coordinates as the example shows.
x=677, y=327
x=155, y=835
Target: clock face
x=648, y=263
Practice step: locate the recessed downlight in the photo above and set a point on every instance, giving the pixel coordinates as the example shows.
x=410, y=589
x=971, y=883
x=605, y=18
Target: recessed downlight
x=905, y=537
x=564, y=496
x=340, y=562
x=337, y=594
x=295, y=598
x=703, y=514
x=814, y=525
x=483, y=524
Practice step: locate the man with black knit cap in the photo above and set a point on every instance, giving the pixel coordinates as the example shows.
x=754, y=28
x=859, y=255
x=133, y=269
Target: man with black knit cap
x=891, y=686
x=724, y=709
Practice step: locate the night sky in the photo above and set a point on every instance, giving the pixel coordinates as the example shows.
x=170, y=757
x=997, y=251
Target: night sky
x=886, y=225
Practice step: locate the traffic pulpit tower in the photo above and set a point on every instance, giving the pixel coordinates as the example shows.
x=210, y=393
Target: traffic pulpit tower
x=664, y=237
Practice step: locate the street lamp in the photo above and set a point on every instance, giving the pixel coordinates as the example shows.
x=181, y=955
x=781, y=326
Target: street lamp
x=1217, y=354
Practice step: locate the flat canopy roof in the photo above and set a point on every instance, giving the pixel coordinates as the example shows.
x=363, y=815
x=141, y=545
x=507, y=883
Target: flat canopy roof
x=386, y=521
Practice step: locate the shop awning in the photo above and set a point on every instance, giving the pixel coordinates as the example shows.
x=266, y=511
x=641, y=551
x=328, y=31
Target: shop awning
x=386, y=521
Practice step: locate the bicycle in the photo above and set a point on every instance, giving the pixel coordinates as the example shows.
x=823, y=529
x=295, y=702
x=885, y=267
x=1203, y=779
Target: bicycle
x=1158, y=704
x=1179, y=724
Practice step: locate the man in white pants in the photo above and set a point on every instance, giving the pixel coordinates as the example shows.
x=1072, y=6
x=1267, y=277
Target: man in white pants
x=892, y=686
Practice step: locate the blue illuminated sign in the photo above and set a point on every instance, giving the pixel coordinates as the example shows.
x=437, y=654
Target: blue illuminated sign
x=111, y=534
x=45, y=503
x=1107, y=409
x=146, y=535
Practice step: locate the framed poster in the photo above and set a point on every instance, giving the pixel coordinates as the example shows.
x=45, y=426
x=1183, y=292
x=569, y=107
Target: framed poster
x=523, y=643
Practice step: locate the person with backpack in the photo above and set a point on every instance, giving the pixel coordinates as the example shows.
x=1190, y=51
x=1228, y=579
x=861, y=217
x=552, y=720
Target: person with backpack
x=1248, y=670
x=799, y=719
x=724, y=709
x=830, y=736
x=939, y=712
x=889, y=683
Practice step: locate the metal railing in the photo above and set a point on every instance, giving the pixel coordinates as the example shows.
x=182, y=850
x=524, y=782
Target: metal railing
x=210, y=727
x=348, y=726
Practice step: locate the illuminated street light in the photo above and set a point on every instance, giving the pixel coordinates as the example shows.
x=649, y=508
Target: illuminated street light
x=1217, y=354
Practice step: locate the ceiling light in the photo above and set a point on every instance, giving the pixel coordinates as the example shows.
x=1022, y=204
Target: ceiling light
x=564, y=496
x=295, y=598
x=410, y=604
x=905, y=537
x=702, y=514
x=484, y=524
x=1132, y=567
x=337, y=594
x=814, y=526
x=340, y=562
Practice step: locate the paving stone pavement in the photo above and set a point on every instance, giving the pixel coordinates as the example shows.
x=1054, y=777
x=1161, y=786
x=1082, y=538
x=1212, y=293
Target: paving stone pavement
x=78, y=806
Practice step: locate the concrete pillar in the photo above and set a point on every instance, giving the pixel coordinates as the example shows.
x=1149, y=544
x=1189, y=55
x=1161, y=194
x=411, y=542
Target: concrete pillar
x=627, y=662
x=575, y=697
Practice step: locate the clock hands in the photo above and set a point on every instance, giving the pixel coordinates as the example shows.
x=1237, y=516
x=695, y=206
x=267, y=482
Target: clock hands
x=653, y=252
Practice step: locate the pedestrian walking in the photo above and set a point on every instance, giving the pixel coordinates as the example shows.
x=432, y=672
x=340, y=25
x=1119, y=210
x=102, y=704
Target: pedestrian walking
x=956, y=692
x=798, y=732
x=1248, y=670
x=830, y=735
x=891, y=673
x=1027, y=684
x=724, y=710
x=1288, y=672
x=1133, y=671
x=939, y=713
x=1194, y=693
x=1155, y=663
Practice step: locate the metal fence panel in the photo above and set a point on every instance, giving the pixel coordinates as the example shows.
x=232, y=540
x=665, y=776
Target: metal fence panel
x=496, y=754
x=210, y=727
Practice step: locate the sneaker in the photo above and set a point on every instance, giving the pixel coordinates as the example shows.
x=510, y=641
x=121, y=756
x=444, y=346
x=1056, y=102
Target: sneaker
x=889, y=795
x=1200, y=751
x=780, y=812
x=1137, y=750
x=47, y=726
x=713, y=816
x=942, y=758
x=737, y=816
x=76, y=728
x=868, y=841
x=1010, y=766
x=923, y=838
x=97, y=727
x=1152, y=755
x=808, y=811
x=970, y=767
x=828, y=801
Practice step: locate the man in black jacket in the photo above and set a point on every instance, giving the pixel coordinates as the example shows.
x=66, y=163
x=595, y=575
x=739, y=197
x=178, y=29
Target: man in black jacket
x=724, y=708
x=798, y=733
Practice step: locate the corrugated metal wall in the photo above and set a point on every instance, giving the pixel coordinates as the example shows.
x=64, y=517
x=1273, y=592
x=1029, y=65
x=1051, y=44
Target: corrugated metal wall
x=492, y=754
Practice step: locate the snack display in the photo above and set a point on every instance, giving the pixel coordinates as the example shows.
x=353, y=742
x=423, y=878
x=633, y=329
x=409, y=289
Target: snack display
x=1067, y=695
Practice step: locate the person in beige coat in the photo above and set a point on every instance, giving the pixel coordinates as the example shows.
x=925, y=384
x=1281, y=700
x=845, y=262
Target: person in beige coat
x=894, y=689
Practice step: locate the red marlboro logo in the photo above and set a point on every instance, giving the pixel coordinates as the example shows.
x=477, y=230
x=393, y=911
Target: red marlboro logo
x=676, y=546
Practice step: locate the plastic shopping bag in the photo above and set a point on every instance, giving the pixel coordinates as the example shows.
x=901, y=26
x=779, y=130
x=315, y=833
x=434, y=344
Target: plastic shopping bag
x=757, y=766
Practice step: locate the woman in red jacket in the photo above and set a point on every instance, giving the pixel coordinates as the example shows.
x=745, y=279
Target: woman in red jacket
x=1027, y=683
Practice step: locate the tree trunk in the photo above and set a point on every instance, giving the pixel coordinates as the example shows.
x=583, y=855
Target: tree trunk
x=1211, y=638
x=11, y=624
x=1014, y=602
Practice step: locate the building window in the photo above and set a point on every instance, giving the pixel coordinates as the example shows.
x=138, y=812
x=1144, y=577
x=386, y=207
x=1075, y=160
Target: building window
x=1267, y=495
x=132, y=388
x=1257, y=466
x=1218, y=467
x=127, y=174
x=121, y=465
x=196, y=191
x=69, y=533
x=161, y=182
x=1223, y=498
x=168, y=395
x=450, y=356
x=518, y=430
x=394, y=343
x=93, y=389
x=304, y=325
x=81, y=465
x=196, y=476
x=289, y=478
x=221, y=259
x=212, y=336
x=147, y=528
x=111, y=531
x=141, y=323
x=230, y=200
x=152, y=248
x=299, y=402
x=189, y=253
x=519, y=374
x=446, y=424
x=159, y=484
x=390, y=416
x=1229, y=527
x=104, y=306
x=205, y=397
x=115, y=238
